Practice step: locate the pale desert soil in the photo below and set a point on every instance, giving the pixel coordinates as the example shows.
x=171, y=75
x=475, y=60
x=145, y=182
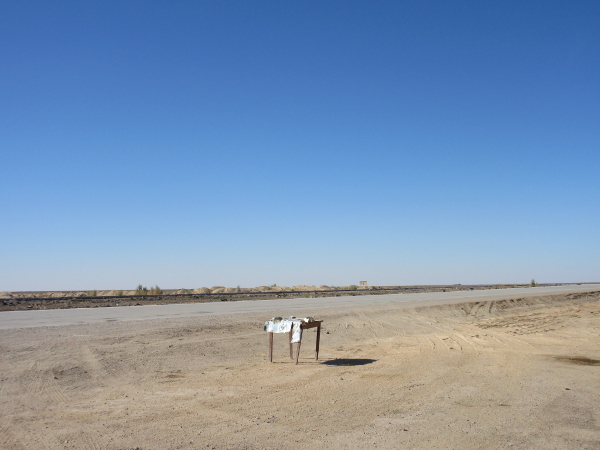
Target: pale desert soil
x=490, y=375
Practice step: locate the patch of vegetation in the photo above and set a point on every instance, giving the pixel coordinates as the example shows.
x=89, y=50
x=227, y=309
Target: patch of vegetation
x=141, y=290
x=533, y=283
x=119, y=293
x=156, y=290
x=352, y=287
x=93, y=293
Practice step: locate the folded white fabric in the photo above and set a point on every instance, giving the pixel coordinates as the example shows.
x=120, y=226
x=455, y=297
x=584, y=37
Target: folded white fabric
x=279, y=325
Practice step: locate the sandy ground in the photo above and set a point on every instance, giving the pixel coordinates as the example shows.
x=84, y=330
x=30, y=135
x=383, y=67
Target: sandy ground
x=519, y=374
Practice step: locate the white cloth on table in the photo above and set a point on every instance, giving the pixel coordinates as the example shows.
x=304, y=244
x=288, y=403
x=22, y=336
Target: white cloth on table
x=279, y=325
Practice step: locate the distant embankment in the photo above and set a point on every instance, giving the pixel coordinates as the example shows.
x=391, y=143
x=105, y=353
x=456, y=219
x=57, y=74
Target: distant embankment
x=11, y=301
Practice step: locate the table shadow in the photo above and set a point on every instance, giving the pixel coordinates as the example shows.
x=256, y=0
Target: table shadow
x=348, y=362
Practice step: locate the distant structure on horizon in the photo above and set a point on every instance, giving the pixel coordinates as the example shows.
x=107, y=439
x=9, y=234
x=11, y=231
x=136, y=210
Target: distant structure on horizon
x=363, y=283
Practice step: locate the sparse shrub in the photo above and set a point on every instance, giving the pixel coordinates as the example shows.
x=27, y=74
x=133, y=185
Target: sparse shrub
x=156, y=290
x=352, y=287
x=93, y=293
x=141, y=290
x=119, y=293
x=533, y=283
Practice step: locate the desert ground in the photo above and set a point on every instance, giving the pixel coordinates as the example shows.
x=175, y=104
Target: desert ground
x=518, y=374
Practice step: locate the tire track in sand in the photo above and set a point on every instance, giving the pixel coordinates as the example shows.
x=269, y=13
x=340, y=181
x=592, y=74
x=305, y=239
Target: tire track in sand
x=8, y=439
x=95, y=368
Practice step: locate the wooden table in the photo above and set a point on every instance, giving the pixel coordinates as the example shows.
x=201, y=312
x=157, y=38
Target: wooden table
x=303, y=326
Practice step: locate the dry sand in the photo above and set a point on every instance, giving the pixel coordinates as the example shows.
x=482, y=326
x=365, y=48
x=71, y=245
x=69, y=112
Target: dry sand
x=490, y=375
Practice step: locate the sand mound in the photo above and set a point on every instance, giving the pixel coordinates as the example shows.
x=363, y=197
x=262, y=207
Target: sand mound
x=218, y=290
x=182, y=291
x=202, y=290
x=303, y=287
x=5, y=294
x=112, y=293
x=106, y=293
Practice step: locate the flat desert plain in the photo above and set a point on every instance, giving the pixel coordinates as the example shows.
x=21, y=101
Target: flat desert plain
x=510, y=374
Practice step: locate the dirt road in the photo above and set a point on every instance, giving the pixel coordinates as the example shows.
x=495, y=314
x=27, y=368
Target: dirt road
x=53, y=317
x=495, y=374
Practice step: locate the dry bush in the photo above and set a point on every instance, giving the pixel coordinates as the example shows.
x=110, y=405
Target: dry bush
x=141, y=290
x=156, y=290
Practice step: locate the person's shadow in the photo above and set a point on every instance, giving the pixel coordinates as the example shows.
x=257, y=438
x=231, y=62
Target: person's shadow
x=348, y=362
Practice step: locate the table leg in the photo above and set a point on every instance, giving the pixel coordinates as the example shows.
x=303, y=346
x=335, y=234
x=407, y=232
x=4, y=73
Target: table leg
x=291, y=345
x=318, y=339
x=298, y=350
x=270, y=346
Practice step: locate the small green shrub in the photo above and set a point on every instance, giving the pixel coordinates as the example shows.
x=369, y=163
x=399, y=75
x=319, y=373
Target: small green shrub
x=533, y=283
x=93, y=293
x=119, y=293
x=352, y=287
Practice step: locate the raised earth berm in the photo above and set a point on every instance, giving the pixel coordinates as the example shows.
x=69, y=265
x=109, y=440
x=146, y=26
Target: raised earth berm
x=10, y=301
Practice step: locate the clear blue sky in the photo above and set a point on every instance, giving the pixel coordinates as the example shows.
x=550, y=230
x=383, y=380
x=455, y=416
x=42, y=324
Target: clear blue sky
x=200, y=143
